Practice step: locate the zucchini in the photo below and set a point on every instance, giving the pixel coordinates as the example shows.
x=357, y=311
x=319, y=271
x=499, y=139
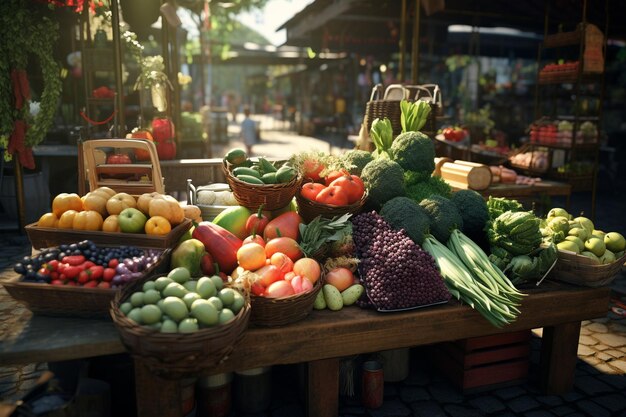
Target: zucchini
x=266, y=166
x=250, y=179
x=285, y=174
x=246, y=171
x=269, y=178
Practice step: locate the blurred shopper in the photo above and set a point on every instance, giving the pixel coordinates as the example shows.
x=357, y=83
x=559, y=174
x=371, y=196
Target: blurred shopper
x=248, y=131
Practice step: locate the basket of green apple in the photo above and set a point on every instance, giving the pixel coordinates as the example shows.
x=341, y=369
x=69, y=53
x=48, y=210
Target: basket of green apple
x=586, y=256
x=179, y=326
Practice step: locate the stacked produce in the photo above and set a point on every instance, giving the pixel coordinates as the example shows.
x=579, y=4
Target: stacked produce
x=176, y=303
x=259, y=172
x=103, y=209
x=580, y=236
x=87, y=265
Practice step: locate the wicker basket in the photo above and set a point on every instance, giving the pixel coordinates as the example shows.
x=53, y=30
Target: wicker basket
x=71, y=301
x=177, y=355
x=581, y=270
x=309, y=210
x=252, y=196
x=281, y=311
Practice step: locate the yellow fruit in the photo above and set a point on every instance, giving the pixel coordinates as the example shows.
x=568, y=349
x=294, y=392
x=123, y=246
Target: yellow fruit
x=119, y=202
x=87, y=220
x=157, y=225
x=66, y=220
x=167, y=207
x=48, y=220
x=192, y=212
x=143, y=202
x=64, y=202
x=111, y=224
x=97, y=199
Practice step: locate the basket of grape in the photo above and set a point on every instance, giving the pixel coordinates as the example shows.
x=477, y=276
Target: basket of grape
x=180, y=326
x=80, y=279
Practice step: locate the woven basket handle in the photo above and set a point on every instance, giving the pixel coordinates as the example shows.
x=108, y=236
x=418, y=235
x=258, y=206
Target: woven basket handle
x=376, y=92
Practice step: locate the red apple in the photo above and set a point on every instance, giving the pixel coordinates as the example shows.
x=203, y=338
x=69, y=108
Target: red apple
x=340, y=278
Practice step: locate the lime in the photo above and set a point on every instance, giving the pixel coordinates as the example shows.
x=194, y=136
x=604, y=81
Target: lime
x=161, y=283
x=217, y=303
x=150, y=314
x=149, y=285
x=174, y=289
x=126, y=307
x=205, y=312
x=190, y=297
x=206, y=287
x=151, y=296
x=188, y=325
x=226, y=315
x=227, y=295
x=179, y=274
x=217, y=280
x=175, y=308
x=137, y=299
x=191, y=285
x=238, y=303
x=135, y=315
x=169, y=326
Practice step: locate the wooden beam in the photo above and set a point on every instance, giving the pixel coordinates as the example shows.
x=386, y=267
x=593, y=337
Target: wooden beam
x=316, y=20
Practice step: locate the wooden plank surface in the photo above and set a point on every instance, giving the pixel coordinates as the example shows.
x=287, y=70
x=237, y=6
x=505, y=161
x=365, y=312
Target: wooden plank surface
x=327, y=334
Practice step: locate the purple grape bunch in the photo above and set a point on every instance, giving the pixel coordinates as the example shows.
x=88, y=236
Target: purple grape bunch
x=397, y=273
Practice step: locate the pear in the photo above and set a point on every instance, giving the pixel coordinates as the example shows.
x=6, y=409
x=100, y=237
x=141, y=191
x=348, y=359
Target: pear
x=569, y=246
x=608, y=257
x=595, y=246
x=585, y=223
x=556, y=212
x=598, y=233
x=577, y=241
x=559, y=224
x=580, y=232
x=615, y=242
x=590, y=255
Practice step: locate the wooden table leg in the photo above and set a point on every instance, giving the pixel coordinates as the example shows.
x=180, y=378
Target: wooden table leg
x=559, y=353
x=323, y=388
x=156, y=396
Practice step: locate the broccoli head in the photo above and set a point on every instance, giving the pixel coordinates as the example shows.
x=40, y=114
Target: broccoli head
x=414, y=151
x=358, y=159
x=419, y=186
x=384, y=180
x=444, y=216
x=473, y=209
x=404, y=213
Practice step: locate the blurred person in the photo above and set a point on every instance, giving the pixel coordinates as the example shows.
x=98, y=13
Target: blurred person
x=248, y=131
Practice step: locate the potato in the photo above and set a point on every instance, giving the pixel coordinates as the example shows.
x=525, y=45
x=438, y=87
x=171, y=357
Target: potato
x=333, y=298
x=191, y=211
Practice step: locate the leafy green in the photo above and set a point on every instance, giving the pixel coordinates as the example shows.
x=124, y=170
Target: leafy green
x=413, y=115
x=321, y=231
x=381, y=133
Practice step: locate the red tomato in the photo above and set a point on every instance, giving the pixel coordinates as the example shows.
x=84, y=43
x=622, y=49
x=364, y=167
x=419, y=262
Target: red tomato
x=333, y=175
x=312, y=169
x=310, y=190
x=333, y=195
x=353, y=186
x=118, y=158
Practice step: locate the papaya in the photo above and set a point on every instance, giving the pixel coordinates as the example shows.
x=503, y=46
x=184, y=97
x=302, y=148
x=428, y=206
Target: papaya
x=236, y=156
x=188, y=254
x=234, y=220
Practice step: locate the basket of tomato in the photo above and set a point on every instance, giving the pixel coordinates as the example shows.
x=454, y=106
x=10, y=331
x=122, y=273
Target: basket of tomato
x=341, y=193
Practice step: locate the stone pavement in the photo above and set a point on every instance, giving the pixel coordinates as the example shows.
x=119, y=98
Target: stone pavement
x=600, y=385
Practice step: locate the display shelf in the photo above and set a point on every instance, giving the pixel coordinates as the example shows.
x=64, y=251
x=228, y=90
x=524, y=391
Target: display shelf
x=557, y=40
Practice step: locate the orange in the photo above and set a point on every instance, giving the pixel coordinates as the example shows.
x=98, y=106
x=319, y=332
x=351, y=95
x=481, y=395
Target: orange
x=66, y=201
x=87, y=220
x=48, y=220
x=157, y=225
x=111, y=224
x=67, y=219
x=251, y=256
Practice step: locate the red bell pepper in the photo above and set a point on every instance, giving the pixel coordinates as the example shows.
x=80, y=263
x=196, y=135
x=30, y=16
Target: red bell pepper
x=220, y=243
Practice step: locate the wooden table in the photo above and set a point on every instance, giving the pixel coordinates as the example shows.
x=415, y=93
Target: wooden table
x=322, y=339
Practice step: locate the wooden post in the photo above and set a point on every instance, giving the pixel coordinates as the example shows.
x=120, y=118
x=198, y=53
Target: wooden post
x=120, y=124
x=323, y=388
x=415, y=50
x=559, y=353
x=156, y=396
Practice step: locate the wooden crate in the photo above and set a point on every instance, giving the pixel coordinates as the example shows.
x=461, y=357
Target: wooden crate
x=484, y=361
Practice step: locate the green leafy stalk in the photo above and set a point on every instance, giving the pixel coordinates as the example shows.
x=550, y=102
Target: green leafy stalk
x=321, y=231
x=381, y=133
x=413, y=115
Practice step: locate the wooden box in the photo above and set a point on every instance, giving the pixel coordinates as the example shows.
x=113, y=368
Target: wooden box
x=484, y=361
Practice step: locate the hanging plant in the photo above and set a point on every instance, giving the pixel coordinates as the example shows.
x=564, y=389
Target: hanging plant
x=29, y=33
x=153, y=78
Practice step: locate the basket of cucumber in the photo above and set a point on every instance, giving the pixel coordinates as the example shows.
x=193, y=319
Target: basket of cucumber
x=257, y=182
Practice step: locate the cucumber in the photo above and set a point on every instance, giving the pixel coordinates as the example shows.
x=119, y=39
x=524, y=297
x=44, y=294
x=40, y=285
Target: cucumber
x=285, y=174
x=269, y=178
x=351, y=294
x=246, y=171
x=250, y=179
x=333, y=298
x=236, y=156
x=266, y=166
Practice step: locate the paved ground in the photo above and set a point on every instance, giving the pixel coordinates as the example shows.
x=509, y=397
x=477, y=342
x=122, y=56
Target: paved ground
x=600, y=386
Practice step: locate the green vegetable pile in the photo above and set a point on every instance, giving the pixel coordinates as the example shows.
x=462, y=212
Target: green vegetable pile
x=473, y=210
x=381, y=133
x=444, y=216
x=414, y=151
x=419, y=186
x=384, y=180
x=357, y=159
x=404, y=213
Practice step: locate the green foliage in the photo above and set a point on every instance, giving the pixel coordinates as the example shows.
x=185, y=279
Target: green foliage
x=444, y=216
x=414, y=151
x=384, y=180
x=498, y=205
x=357, y=158
x=473, y=209
x=405, y=213
x=420, y=186
x=381, y=133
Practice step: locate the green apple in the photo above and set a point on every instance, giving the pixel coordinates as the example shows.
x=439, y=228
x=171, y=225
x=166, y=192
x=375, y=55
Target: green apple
x=132, y=220
x=615, y=242
x=590, y=256
x=579, y=232
x=595, y=246
x=569, y=246
x=577, y=241
x=585, y=223
x=557, y=212
x=608, y=257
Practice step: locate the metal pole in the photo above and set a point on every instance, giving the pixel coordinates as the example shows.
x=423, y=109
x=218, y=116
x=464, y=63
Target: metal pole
x=402, y=42
x=120, y=125
x=415, y=51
